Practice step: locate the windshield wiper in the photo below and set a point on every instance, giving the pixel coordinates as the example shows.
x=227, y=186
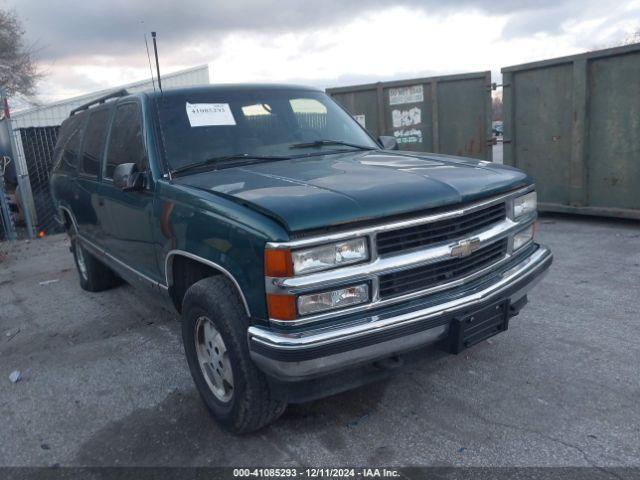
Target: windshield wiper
x=320, y=143
x=237, y=158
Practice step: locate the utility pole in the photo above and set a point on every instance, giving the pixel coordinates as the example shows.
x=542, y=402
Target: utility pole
x=23, y=179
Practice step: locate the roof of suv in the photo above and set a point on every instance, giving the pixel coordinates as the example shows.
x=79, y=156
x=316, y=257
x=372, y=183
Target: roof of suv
x=221, y=88
x=230, y=87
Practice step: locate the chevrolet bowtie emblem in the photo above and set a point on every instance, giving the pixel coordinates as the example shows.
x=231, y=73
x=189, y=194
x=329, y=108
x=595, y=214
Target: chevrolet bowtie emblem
x=464, y=248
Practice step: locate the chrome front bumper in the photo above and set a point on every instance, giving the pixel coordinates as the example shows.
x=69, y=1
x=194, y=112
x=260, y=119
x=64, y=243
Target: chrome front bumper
x=296, y=356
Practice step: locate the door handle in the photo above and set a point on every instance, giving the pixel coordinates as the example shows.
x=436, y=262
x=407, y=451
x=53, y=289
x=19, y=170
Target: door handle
x=100, y=202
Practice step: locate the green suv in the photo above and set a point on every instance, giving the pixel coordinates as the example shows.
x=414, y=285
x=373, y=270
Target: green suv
x=304, y=256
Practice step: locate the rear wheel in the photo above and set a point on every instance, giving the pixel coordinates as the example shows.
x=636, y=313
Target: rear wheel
x=94, y=275
x=214, y=332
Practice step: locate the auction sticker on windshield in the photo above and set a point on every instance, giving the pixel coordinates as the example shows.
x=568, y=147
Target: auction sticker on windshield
x=209, y=114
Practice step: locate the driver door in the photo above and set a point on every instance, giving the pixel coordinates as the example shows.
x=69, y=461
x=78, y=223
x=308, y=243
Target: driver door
x=128, y=224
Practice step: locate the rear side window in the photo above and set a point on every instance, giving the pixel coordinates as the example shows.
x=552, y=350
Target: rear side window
x=125, y=142
x=65, y=155
x=94, y=138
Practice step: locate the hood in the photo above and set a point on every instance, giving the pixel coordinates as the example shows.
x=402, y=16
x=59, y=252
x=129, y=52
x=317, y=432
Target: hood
x=328, y=190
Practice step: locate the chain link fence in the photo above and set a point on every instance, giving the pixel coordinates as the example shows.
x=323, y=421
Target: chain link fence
x=38, y=144
x=24, y=183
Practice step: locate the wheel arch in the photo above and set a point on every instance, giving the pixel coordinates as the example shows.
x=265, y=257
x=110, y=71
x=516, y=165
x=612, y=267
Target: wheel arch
x=170, y=261
x=68, y=217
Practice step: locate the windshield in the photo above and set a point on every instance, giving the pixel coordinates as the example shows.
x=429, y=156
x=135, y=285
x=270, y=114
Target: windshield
x=202, y=126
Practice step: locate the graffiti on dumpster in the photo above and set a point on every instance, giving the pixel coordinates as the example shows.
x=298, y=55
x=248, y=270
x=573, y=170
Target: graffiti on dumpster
x=406, y=118
x=408, y=135
x=400, y=95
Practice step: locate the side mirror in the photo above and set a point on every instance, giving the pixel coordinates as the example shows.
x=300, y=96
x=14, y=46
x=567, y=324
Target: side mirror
x=126, y=177
x=388, y=143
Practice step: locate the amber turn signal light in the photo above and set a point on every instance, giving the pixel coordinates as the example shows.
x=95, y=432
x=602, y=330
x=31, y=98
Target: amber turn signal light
x=277, y=263
x=281, y=307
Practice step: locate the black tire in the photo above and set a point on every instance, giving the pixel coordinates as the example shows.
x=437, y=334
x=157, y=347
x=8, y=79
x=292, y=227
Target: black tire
x=251, y=405
x=95, y=276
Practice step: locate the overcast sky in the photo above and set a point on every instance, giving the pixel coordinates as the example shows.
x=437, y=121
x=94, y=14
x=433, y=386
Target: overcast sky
x=87, y=45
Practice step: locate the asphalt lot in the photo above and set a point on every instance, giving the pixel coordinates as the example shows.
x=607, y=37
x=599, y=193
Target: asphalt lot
x=105, y=381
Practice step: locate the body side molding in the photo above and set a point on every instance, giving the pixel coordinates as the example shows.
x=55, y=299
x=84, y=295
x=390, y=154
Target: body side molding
x=107, y=256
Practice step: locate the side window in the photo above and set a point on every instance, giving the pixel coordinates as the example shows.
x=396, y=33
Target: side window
x=126, y=144
x=94, y=142
x=66, y=152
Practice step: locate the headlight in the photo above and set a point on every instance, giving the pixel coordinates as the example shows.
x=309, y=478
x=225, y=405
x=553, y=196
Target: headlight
x=523, y=237
x=330, y=256
x=344, y=297
x=525, y=205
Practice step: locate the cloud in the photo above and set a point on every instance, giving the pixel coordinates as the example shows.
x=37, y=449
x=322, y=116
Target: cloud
x=561, y=17
x=114, y=27
x=90, y=45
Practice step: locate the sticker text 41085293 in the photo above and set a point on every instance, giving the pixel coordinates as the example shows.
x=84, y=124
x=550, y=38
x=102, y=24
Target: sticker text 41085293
x=209, y=114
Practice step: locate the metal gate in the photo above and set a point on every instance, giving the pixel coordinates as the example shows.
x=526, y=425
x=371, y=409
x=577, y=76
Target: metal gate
x=573, y=123
x=448, y=114
x=37, y=146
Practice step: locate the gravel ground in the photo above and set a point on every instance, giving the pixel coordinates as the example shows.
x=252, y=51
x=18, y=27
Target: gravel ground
x=104, y=380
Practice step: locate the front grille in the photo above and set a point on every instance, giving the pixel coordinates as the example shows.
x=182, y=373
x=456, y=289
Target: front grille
x=441, y=231
x=420, y=278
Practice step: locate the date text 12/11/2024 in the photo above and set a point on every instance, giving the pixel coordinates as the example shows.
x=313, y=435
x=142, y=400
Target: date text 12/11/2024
x=315, y=473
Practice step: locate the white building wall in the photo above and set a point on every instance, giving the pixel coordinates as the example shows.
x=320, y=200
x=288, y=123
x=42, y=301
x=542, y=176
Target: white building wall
x=55, y=113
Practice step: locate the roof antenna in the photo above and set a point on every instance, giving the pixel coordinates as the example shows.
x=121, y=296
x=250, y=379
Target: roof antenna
x=149, y=58
x=155, y=49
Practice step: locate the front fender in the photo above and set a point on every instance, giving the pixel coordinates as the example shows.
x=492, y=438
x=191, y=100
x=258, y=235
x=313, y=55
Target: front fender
x=219, y=233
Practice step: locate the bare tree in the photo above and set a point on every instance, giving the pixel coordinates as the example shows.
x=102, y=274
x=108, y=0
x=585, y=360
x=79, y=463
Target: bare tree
x=496, y=107
x=628, y=39
x=18, y=72
x=632, y=38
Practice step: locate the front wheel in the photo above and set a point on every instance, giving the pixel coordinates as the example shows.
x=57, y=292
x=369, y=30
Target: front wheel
x=214, y=332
